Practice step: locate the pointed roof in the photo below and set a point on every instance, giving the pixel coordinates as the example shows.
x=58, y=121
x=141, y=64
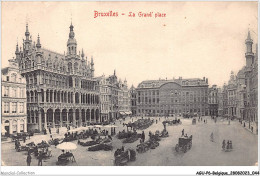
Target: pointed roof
x=248, y=35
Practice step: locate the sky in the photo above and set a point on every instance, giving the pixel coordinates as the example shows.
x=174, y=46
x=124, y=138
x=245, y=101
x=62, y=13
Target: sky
x=193, y=40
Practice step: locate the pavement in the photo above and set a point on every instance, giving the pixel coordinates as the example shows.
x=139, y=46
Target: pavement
x=203, y=151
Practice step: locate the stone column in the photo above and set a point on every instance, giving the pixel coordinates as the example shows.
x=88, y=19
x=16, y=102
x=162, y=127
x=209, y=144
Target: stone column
x=53, y=120
x=25, y=125
x=74, y=118
x=61, y=119
x=11, y=126
x=45, y=120
x=80, y=119
x=40, y=121
x=18, y=126
x=52, y=96
x=89, y=115
x=44, y=96
x=94, y=116
x=67, y=117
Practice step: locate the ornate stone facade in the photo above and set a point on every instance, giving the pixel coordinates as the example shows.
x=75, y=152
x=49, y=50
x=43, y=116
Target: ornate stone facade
x=172, y=97
x=61, y=89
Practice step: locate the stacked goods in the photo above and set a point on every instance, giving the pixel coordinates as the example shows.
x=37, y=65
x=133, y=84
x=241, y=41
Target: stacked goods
x=98, y=147
x=131, y=139
x=172, y=122
x=143, y=147
x=123, y=134
x=122, y=157
x=142, y=124
x=164, y=134
x=89, y=143
x=54, y=142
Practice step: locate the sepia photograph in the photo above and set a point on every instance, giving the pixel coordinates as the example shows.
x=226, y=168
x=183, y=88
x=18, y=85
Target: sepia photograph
x=129, y=84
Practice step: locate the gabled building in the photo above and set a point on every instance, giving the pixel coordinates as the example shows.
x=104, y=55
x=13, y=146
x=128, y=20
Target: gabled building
x=14, y=118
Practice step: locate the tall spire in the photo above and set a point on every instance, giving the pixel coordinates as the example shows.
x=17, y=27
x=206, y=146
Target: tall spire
x=27, y=33
x=38, y=45
x=17, y=51
x=115, y=72
x=72, y=43
x=72, y=34
x=248, y=35
x=82, y=54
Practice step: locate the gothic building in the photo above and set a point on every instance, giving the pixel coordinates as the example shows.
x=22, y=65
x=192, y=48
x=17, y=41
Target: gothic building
x=61, y=89
x=251, y=82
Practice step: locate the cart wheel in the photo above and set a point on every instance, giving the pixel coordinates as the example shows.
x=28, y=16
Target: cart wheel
x=185, y=149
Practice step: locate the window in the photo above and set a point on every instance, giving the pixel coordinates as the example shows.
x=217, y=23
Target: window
x=7, y=78
x=6, y=92
x=13, y=77
x=6, y=107
x=14, y=107
x=21, y=107
x=14, y=92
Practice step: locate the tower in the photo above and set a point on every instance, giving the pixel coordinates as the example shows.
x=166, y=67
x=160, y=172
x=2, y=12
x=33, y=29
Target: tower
x=72, y=43
x=17, y=53
x=249, y=53
x=27, y=40
x=38, y=45
x=82, y=54
x=92, y=67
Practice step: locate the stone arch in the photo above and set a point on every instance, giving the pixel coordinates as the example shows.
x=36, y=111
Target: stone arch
x=83, y=115
x=64, y=115
x=92, y=114
x=49, y=117
x=57, y=117
x=77, y=98
x=88, y=115
x=70, y=116
x=32, y=116
x=97, y=115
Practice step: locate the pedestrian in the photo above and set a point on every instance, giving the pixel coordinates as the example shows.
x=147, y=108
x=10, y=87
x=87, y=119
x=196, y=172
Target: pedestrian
x=182, y=132
x=212, y=137
x=40, y=159
x=15, y=144
x=50, y=130
x=143, y=136
x=230, y=143
x=24, y=139
x=156, y=121
x=223, y=144
x=204, y=120
x=29, y=159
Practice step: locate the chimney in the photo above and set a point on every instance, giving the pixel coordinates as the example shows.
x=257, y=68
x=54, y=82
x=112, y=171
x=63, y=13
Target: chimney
x=203, y=78
x=207, y=80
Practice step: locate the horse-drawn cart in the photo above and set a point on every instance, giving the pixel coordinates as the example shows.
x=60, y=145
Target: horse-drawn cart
x=184, y=144
x=123, y=157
